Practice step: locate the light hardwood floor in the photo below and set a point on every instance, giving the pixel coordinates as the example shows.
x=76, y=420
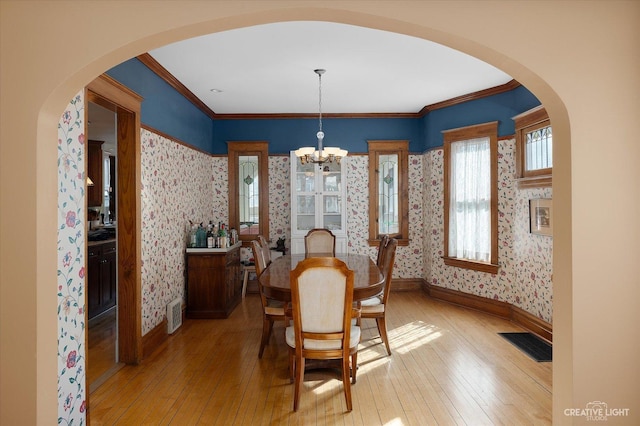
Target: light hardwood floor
x=101, y=357
x=448, y=367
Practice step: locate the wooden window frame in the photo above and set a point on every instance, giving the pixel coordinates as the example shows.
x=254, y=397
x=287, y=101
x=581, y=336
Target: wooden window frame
x=525, y=123
x=386, y=147
x=243, y=148
x=489, y=130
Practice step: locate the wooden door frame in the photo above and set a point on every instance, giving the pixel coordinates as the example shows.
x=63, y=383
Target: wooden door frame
x=112, y=95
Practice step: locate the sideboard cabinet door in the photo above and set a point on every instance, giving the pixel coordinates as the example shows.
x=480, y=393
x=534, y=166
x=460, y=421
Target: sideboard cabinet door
x=213, y=283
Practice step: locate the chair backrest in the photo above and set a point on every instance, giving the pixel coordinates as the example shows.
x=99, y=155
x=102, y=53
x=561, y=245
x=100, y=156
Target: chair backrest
x=320, y=240
x=322, y=297
x=266, y=252
x=388, y=258
x=384, y=240
x=258, y=257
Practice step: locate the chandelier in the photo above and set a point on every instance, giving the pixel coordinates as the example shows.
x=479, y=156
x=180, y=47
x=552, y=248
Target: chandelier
x=309, y=154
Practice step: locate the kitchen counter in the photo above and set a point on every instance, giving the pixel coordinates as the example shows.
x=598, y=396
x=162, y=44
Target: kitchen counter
x=99, y=242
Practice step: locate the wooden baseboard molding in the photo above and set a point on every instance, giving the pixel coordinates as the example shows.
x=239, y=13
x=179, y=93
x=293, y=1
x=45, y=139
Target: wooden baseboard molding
x=490, y=306
x=494, y=307
x=532, y=323
x=406, y=284
x=153, y=339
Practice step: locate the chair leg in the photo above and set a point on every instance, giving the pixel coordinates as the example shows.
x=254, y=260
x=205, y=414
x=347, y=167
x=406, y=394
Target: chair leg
x=245, y=279
x=382, y=329
x=346, y=382
x=354, y=367
x=267, y=326
x=299, y=370
x=292, y=365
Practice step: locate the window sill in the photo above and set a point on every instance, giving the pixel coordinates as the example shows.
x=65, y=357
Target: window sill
x=534, y=182
x=469, y=264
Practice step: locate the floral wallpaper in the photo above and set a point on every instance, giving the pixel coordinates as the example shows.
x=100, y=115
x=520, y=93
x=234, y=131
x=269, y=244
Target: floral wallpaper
x=525, y=259
x=220, y=193
x=409, y=262
x=71, y=265
x=533, y=255
x=279, y=197
x=175, y=184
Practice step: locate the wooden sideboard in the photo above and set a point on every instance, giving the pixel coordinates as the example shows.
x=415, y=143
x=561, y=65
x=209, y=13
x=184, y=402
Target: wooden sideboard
x=214, y=282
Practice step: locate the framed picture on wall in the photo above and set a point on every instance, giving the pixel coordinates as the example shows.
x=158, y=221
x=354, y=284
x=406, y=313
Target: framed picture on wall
x=540, y=216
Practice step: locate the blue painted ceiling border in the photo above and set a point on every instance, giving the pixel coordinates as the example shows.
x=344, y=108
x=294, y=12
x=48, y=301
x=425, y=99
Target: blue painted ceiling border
x=163, y=107
x=168, y=111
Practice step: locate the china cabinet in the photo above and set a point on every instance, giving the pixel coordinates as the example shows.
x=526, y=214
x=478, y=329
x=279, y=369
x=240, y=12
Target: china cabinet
x=318, y=200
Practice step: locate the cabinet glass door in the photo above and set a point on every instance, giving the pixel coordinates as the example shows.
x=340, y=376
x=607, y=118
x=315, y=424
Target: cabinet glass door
x=332, y=212
x=331, y=178
x=318, y=200
x=306, y=212
x=305, y=177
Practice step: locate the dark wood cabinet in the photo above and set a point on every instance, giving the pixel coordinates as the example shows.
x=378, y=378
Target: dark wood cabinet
x=94, y=172
x=101, y=277
x=214, y=286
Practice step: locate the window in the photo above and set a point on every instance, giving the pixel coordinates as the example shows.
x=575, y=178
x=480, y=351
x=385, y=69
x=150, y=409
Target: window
x=534, y=148
x=389, y=190
x=471, y=197
x=249, y=189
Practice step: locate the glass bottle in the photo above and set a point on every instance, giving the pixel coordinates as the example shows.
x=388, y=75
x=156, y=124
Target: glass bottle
x=222, y=233
x=201, y=237
x=192, y=236
x=209, y=236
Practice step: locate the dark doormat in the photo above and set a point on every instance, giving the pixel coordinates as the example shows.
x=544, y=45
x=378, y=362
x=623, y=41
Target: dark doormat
x=530, y=344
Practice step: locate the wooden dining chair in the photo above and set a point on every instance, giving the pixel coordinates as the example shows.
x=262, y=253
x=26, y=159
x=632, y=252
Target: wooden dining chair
x=321, y=301
x=376, y=307
x=384, y=240
x=320, y=241
x=271, y=310
x=265, y=249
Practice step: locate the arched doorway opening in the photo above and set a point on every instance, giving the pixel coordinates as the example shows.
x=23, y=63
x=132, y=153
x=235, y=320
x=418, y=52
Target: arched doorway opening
x=552, y=102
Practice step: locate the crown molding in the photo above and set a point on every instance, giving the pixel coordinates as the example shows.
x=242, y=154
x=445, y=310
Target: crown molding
x=162, y=72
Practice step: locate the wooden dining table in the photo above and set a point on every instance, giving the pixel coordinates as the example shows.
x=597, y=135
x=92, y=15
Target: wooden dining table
x=368, y=280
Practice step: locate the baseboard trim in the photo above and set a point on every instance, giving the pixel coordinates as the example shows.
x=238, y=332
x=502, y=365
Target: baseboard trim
x=489, y=306
x=406, y=284
x=153, y=339
x=532, y=323
x=494, y=307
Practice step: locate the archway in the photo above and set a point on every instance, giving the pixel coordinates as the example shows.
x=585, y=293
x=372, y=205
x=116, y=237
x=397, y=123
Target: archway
x=85, y=71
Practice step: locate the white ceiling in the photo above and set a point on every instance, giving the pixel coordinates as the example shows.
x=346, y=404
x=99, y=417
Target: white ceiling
x=269, y=69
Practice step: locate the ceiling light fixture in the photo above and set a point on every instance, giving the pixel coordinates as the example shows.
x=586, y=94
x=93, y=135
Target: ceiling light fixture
x=309, y=154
